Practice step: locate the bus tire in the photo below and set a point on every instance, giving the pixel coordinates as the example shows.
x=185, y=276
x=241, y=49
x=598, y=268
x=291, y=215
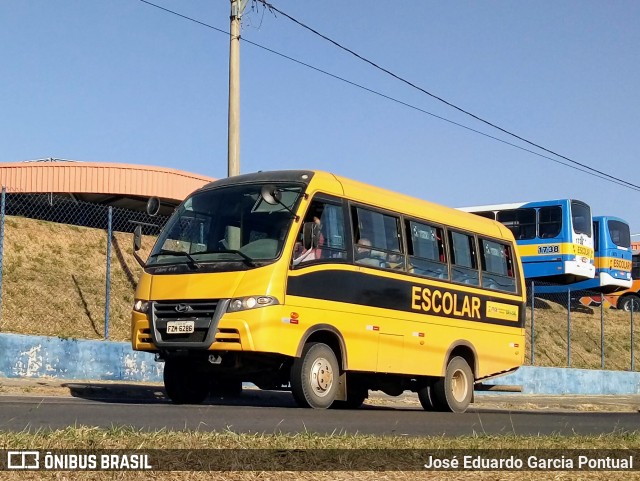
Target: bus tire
x=314, y=376
x=425, y=395
x=226, y=387
x=454, y=391
x=628, y=301
x=183, y=383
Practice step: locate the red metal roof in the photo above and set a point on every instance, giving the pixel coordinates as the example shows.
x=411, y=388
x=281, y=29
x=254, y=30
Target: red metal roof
x=71, y=177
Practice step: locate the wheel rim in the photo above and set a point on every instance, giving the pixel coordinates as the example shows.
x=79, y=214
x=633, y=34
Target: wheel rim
x=321, y=377
x=631, y=303
x=459, y=385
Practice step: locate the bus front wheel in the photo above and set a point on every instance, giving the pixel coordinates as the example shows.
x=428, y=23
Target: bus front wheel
x=454, y=391
x=314, y=376
x=629, y=302
x=183, y=383
x=226, y=387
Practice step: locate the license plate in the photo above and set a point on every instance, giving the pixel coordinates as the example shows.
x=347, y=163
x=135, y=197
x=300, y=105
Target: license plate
x=180, y=327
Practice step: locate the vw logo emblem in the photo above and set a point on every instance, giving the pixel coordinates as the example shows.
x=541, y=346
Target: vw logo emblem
x=184, y=308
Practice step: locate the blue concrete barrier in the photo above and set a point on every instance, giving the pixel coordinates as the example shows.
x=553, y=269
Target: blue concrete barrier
x=38, y=356
x=549, y=380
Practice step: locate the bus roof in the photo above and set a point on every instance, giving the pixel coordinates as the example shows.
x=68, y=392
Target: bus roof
x=518, y=205
x=373, y=196
x=609, y=217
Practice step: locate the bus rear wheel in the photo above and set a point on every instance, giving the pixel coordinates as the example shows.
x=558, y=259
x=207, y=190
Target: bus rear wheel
x=454, y=391
x=425, y=395
x=314, y=376
x=629, y=302
x=183, y=383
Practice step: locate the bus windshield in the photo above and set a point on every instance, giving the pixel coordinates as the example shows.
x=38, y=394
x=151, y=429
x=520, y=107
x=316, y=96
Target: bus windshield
x=228, y=228
x=620, y=234
x=581, y=218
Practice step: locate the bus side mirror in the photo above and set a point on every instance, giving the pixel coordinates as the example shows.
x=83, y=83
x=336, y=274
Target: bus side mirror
x=137, y=238
x=310, y=235
x=153, y=206
x=137, y=243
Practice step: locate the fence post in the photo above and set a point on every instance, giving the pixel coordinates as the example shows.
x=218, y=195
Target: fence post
x=602, y=331
x=568, y=327
x=533, y=318
x=2, y=209
x=108, y=281
x=632, y=360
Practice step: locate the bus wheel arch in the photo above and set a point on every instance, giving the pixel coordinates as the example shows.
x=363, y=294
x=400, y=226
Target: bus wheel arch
x=328, y=335
x=318, y=375
x=464, y=350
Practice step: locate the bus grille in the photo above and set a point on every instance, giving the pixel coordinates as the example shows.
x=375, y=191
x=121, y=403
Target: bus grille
x=201, y=312
x=168, y=310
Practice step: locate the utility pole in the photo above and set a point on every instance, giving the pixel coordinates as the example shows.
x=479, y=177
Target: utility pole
x=237, y=9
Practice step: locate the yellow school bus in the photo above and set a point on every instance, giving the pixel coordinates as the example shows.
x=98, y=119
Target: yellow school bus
x=329, y=287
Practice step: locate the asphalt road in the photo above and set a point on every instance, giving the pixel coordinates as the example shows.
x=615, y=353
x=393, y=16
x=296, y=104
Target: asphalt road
x=275, y=412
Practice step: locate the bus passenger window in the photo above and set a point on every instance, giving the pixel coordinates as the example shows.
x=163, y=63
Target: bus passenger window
x=464, y=267
x=365, y=255
x=377, y=239
x=425, y=244
x=522, y=222
x=497, y=269
x=549, y=221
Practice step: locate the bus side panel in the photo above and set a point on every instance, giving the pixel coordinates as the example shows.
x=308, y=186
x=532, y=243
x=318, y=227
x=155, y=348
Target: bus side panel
x=395, y=326
x=415, y=344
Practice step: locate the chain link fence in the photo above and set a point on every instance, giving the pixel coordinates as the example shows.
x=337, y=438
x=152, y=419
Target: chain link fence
x=580, y=329
x=66, y=266
x=67, y=270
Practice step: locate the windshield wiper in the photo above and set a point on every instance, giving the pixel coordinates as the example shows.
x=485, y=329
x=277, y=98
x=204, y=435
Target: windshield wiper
x=192, y=262
x=196, y=265
x=248, y=260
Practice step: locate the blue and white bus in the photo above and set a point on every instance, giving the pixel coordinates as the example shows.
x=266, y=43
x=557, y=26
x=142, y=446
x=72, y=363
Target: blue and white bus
x=612, y=245
x=554, y=237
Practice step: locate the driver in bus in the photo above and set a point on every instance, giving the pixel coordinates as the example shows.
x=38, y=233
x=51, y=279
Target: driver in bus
x=306, y=255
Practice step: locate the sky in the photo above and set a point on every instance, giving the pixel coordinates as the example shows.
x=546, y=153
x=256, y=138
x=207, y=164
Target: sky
x=122, y=81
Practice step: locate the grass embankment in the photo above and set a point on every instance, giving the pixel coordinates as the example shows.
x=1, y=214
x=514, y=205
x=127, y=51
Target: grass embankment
x=54, y=284
x=136, y=441
x=54, y=280
x=553, y=330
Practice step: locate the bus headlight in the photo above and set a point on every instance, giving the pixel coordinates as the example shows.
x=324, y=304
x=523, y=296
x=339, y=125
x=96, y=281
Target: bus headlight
x=250, y=302
x=141, y=306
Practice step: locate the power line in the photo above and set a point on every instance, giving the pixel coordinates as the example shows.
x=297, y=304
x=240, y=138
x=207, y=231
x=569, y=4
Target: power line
x=580, y=167
x=185, y=17
x=375, y=92
x=411, y=84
